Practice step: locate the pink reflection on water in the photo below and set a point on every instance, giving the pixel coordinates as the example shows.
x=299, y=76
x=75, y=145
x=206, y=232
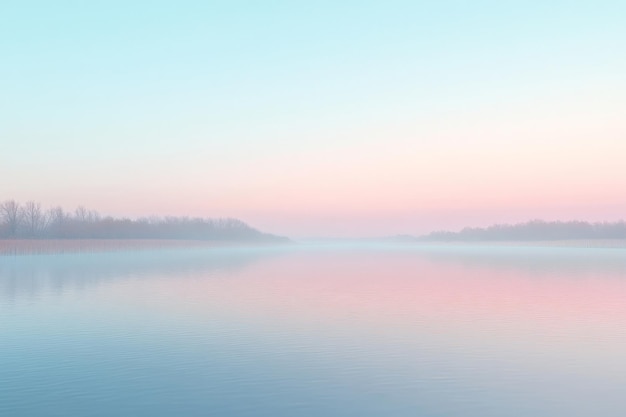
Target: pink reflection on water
x=535, y=313
x=391, y=286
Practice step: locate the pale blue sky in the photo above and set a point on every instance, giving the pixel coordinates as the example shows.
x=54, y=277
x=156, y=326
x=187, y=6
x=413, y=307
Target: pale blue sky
x=244, y=108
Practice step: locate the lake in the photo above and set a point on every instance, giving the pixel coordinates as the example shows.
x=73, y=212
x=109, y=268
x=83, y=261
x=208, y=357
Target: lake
x=387, y=330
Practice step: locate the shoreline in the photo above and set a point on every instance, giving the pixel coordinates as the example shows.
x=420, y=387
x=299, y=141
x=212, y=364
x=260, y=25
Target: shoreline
x=24, y=247
x=559, y=243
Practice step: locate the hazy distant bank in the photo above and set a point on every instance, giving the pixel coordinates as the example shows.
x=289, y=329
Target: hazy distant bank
x=532, y=231
x=28, y=229
x=28, y=225
x=567, y=243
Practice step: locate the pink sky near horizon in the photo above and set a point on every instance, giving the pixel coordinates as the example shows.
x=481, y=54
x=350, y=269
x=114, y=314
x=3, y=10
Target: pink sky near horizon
x=342, y=121
x=399, y=186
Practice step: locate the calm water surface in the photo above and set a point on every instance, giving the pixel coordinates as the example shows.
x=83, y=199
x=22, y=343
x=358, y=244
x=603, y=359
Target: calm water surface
x=315, y=331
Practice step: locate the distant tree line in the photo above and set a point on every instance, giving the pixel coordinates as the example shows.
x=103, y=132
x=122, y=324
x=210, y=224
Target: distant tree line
x=31, y=221
x=535, y=230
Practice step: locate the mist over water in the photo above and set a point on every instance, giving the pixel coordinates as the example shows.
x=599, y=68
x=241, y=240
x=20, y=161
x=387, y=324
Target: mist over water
x=311, y=330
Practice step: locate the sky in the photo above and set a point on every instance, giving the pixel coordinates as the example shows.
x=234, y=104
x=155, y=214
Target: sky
x=317, y=119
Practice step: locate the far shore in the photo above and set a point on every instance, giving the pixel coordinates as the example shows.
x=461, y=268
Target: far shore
x=10, y=247
x=569, y=243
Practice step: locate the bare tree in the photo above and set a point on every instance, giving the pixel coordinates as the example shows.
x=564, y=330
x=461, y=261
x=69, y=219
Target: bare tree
x=33, y=218
x=94, y=216
x=11, y=214
x=57, y=220
x=81, y=214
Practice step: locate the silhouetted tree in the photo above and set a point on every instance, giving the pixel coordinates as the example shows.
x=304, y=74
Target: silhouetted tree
x=57, y=222
x=34, y=218
x=11, y=215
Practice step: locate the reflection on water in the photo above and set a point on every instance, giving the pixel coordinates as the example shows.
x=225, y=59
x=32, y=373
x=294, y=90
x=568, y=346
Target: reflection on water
x=30, y=275
x=371, y=330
